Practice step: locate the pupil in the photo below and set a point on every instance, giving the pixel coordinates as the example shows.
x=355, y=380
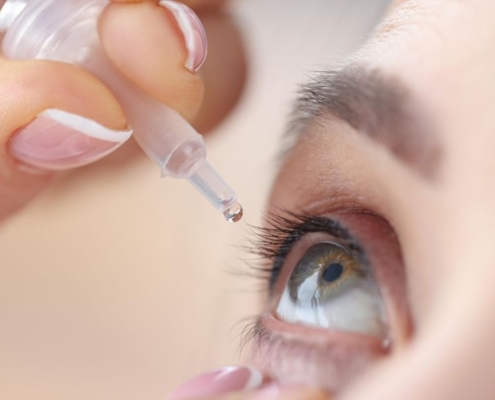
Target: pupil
x=333, y=272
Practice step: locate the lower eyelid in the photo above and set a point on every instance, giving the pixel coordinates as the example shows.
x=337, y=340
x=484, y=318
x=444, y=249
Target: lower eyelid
x=298, y=354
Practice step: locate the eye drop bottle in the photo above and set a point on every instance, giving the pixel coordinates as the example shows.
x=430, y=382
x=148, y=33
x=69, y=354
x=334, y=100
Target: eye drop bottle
x=66, y=30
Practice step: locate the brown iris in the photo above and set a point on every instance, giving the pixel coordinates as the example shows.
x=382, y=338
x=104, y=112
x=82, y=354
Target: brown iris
x=333, y=264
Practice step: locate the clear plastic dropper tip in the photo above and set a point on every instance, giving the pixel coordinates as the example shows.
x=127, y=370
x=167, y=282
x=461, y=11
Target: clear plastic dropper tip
x=217, y=191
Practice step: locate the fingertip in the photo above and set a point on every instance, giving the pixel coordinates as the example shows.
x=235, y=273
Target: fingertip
x=146, y=43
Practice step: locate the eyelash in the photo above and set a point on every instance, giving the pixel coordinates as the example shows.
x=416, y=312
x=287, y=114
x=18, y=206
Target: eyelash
x=275, y=241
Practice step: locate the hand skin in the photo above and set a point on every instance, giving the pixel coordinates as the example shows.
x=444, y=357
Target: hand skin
x=26, y=87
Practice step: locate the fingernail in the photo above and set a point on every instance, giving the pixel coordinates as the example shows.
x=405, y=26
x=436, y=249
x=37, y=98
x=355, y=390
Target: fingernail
x=193, y=31
x=218, y=382
x=58, y=140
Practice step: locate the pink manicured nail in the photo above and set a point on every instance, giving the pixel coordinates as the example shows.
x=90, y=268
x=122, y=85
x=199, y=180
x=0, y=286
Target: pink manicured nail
x=218, y=382
x=58, y=140
x=193, y=32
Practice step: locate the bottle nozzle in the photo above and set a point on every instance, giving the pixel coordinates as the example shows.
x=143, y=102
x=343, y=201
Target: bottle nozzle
x=217, y=192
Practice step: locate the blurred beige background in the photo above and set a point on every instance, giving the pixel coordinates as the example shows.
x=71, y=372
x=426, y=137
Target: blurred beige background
x=118, y=285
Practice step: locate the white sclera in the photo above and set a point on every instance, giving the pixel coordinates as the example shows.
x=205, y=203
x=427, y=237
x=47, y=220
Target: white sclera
x=359, y=308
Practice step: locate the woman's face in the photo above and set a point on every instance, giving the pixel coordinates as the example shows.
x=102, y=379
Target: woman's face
x=382, y=218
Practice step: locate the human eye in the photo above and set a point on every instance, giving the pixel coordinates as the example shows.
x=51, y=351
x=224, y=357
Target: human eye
x=336, y=295
x=331, y=286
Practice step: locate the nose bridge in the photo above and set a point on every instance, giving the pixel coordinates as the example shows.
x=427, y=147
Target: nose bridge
x=465, y=120
x=465, y=286
x=454, y=354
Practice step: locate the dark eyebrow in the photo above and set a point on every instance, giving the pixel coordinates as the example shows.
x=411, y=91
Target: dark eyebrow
x=375, y=104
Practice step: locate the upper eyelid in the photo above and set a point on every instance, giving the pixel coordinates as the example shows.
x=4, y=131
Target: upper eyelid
x=283, y=230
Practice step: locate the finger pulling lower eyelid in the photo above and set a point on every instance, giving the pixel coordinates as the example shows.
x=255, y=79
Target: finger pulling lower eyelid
x=275, y=392
x=219, y=382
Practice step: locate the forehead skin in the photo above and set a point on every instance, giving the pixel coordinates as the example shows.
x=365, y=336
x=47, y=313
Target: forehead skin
x=444, y=53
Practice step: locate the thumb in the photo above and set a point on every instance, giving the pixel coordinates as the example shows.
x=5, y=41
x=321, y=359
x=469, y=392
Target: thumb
x=54, y=117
